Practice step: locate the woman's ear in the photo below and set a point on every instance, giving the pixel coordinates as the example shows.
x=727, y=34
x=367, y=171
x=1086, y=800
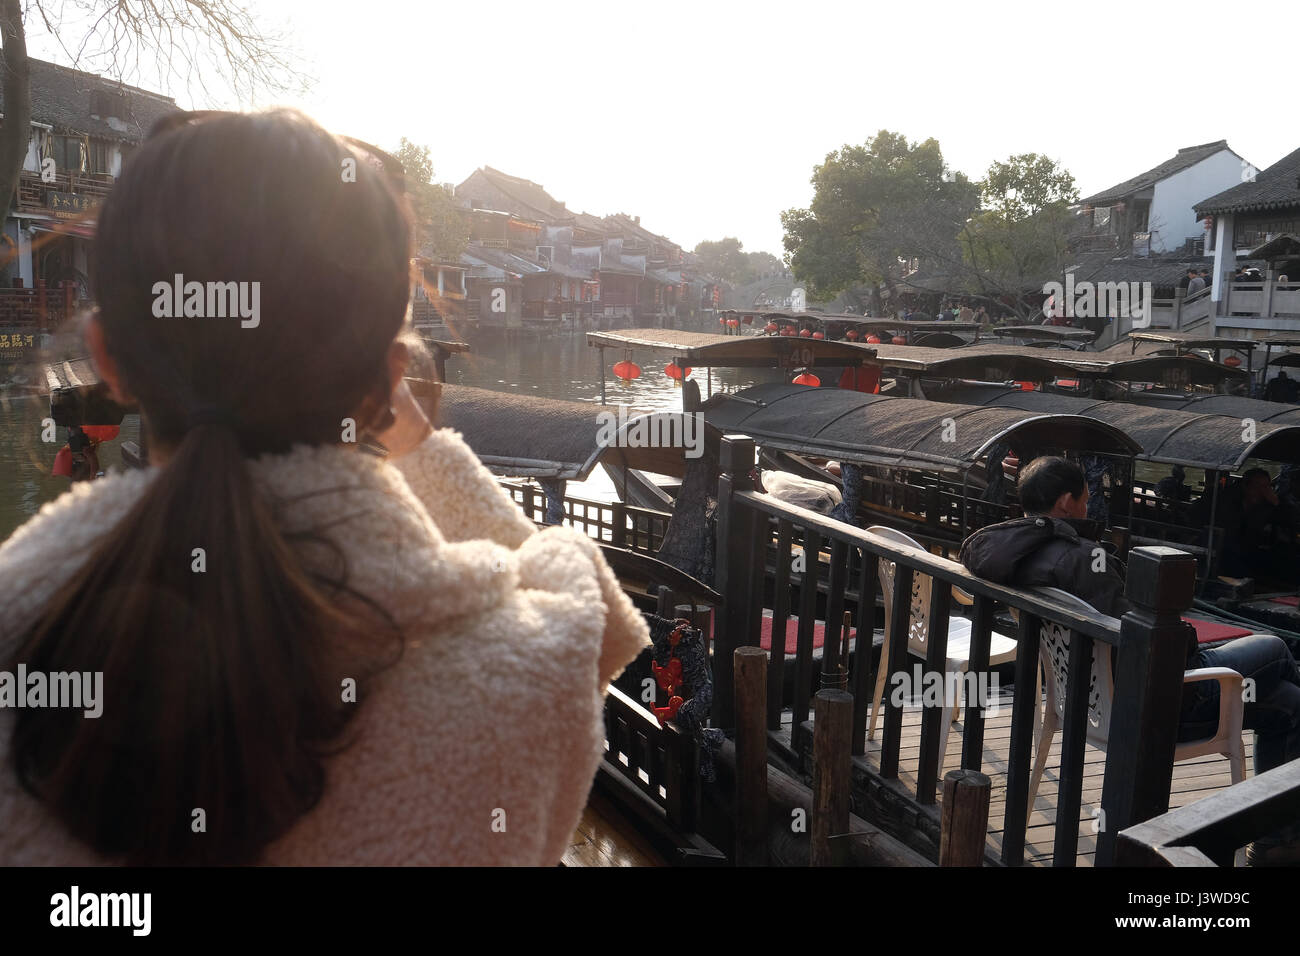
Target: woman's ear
x=104, y=364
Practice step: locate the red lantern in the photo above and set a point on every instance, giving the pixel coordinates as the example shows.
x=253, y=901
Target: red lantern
x=105, y=432
x=722, y=320
x=873, y=339
x=807, y=378
x=733, y=323
x=805, y=333
x=1232, y=361
x=627, y=371
x=899, y=340
x=819, y=335
x=770, y=328
x=852, y=335
x=1026, y=386
x=674, y=371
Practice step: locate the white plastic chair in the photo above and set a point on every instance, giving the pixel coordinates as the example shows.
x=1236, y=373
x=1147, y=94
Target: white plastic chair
x=1002, y=649
x=1054, y=655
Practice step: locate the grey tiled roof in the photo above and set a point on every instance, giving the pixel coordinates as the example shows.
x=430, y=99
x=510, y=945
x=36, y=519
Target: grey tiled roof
x=1187, y=157
x=62, y=98
x=1277, y=187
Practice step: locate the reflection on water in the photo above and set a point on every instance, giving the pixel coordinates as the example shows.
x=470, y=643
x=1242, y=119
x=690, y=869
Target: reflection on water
x=26, y=460
x=557, y=365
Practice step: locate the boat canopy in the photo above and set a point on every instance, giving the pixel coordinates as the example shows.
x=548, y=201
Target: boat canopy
x=1045, y=333
x=1170, y=371
x=529, y=437
x=1001, y=363
x=900, y=432
x=1210, y=441
x=1233, y=406
x=864, y=322
x=1191, y=340
x=990, y=363
x=707, y=349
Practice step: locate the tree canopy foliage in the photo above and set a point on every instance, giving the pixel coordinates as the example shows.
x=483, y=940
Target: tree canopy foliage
x=441, y=228
x=727, y=260
x=885, y=204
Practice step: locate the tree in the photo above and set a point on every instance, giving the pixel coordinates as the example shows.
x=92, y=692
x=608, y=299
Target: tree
x=725, y=260
x=189, y=39
x=441, y=227
x=1020, y=240
x=874, y=205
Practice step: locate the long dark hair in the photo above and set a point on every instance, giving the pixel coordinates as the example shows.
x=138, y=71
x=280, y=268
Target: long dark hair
x=222, y=690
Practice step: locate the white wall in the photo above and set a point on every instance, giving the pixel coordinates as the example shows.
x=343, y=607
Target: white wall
x=1172, y=220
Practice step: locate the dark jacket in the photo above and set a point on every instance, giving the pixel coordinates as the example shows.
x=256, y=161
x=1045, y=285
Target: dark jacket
x=1048, y=552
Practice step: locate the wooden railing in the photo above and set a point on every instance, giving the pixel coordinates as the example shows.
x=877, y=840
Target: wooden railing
x=756, y=532
x=42, y=307
x=615, y=523
x=1207, y=832
x=32, y=189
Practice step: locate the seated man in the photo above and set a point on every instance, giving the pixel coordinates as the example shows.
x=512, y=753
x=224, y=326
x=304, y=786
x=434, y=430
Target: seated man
x=1052, y=546
x=1253, y=527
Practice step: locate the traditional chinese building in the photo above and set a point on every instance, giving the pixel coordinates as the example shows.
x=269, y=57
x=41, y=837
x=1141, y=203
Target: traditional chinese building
x=82, y=128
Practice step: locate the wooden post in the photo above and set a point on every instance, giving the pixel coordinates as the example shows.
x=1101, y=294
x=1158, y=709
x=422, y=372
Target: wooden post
x=832, y=773
x=1152, y=654
x=732, y=572
x=618, y=518
x=751, y=756
x=965, y=818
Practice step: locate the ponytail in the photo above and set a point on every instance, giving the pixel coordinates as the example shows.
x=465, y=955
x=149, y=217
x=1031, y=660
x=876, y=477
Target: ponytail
x=220, y=693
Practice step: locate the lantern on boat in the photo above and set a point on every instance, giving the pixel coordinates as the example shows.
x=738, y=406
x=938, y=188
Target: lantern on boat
x=1232, y=361
x=1026, y=386
x=627, y=371
x=807, y=378
x=819, y=335
x=733, y=323
x=899, y=340
x=101, y=432
x=675, y=372
x=852, y=335
x=805, y=333
x=873, y=339
x=770, y=328
x=722, y=320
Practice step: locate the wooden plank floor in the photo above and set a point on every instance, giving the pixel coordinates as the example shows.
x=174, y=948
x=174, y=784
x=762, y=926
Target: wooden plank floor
x=1192, y=779
x=604, y=837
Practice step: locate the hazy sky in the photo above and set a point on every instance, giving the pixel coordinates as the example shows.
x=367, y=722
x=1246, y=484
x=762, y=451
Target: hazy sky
x=706, y=118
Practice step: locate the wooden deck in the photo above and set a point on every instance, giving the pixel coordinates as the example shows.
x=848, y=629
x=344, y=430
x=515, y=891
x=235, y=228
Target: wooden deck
x=604, y=837
x=1192, y=780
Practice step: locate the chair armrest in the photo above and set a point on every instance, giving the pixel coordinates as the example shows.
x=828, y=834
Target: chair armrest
x=1231, y=705
x=962, y=597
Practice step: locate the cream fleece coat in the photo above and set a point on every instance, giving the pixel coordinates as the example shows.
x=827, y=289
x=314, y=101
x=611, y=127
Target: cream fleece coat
x=480, y=744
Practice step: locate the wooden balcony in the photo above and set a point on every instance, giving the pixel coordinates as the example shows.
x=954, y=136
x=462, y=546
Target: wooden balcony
x=35, y=194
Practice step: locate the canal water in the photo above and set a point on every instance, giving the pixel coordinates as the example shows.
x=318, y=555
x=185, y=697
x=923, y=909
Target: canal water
x=558, y=364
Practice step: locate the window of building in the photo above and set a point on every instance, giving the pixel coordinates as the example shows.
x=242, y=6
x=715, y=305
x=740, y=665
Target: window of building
x=68, y=153
x=97, y=160
x=1101, y=217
